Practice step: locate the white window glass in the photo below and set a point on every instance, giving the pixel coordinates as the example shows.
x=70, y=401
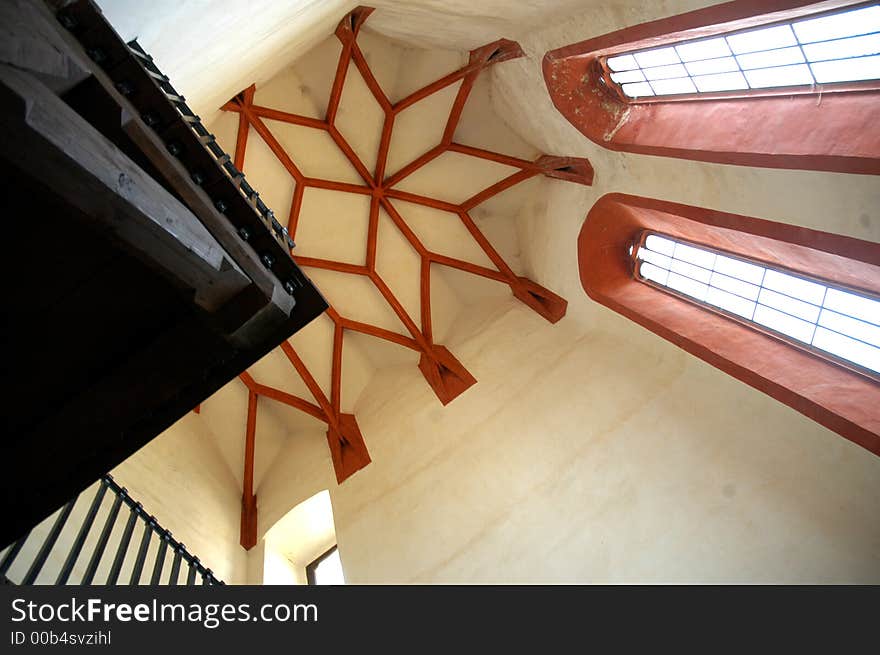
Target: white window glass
x=767, y=38
x=665, y=72
x=656, y=258
x=846, y=23
x=769, y=58
x=697, y=273
x=846, y=348
x=623, y=63
x=739, y=269
x=654, y=273
x=789, y=305
x=697, y=256
x=628, y=76
x=859, y=307
x=839, y=47
x=733, y=285
x=658, y=57
x=730, y=302
x=784, y=323
x=687, y=286
x=707, y=49
x=764, y=78
x=847, y=70
x=637, y=90
x=678, y=85
x=843, y=48
x=660, y=244
x=710, y=66
x=794, y=287
x=857, y=329
x=721, y=82
x=840, y=322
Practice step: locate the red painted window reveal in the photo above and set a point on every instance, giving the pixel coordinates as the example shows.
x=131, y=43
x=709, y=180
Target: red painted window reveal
x=818, y=131
x=834, y=396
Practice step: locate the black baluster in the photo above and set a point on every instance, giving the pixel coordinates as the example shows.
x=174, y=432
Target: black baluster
x=193, y=568
x=175, y=565
x=122, y=549
x=160, y=557
x=102, y=540
x=142, y=551
x=46, y=548
x=75, y=549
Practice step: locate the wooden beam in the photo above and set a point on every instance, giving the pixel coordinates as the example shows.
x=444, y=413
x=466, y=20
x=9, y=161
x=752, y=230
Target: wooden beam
x=364, y=69
x=243, y=128
x=498, y=187
x=313, y=386
x=295, y=207
x=338, y=82
x=433, y=87
x=352, y=156
x=336, y=372
x=287, y=117
x=289, y=399
x=415, y=164
x=248, y=498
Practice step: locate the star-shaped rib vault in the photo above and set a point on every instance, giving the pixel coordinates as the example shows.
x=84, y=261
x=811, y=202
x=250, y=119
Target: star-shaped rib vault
x=442, y=371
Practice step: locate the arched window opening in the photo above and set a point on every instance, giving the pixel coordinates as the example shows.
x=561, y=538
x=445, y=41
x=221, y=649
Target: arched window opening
x=301, y=546
x=833, y=322
x=782, y=84
x=615, y=270
x=831, y=51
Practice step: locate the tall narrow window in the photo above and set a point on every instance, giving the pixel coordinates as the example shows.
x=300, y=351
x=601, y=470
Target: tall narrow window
x=783, y=84
x=807, y=312
x=803, y=54
x=790, y=311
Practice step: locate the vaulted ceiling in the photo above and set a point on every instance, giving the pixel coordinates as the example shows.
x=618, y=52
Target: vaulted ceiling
x=401, y=187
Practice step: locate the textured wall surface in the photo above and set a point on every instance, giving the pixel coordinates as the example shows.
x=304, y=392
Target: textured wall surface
x=590, y=450
x=592, y=457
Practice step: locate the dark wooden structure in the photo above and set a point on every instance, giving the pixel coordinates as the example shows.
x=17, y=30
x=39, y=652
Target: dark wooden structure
x=143, y=272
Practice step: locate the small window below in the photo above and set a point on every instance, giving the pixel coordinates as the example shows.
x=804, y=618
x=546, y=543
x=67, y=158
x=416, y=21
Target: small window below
x=326, y=570
x=834, y=322
x=829, y=48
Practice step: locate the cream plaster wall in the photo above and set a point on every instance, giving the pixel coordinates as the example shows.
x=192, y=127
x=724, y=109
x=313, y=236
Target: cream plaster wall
x=180, y=478
x=278, y=570
x=588, y=457
x=589, y=451
x=297, y=539
x=214, y=49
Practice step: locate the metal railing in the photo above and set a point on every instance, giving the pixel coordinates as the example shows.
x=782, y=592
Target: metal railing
x=137, y=516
